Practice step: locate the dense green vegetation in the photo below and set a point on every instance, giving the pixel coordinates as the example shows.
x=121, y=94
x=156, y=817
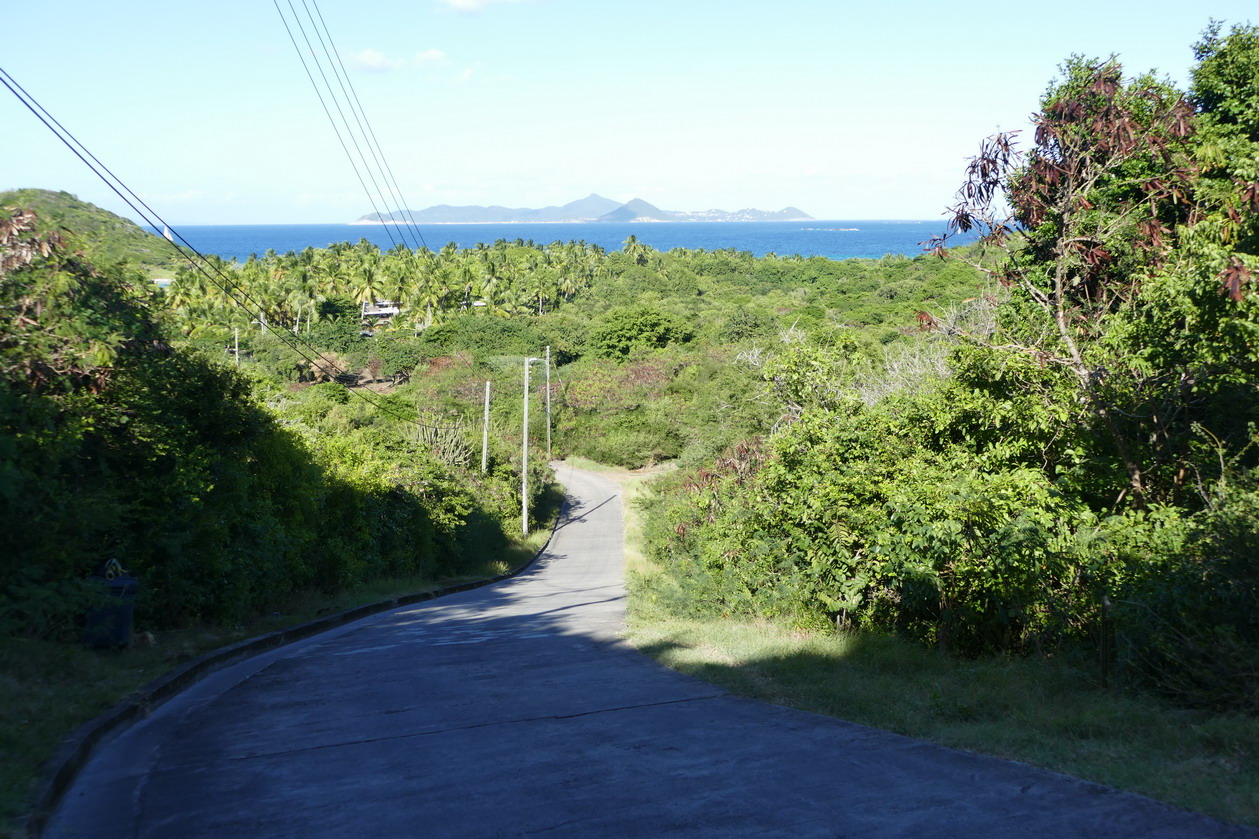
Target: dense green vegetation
x=1078, y=473
x=250, y=432
x=121, y=443
x=1042, y=447
x=658, y=355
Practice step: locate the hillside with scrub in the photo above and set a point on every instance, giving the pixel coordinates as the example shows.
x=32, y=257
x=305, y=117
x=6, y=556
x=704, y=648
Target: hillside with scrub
x=105, y=238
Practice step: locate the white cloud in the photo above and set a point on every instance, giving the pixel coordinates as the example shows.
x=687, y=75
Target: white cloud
x=472, y=5
x=430, y=56
x=375, y=61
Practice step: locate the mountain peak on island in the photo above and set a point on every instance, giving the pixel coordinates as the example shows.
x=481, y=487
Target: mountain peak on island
x=592, y=208
x=637, y=210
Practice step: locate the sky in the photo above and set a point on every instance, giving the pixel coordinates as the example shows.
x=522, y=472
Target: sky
x=845, y=110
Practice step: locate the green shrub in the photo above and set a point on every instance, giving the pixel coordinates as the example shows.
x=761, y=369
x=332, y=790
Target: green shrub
x=625, y=331
x=1187, y=602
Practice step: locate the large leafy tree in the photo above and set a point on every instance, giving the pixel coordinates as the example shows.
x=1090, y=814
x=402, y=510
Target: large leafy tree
x=1127, y=252
x=626, y=331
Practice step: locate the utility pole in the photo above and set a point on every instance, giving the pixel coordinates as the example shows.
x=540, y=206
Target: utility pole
x=236, y=343
x=485, y=431
x=524, y=458
x=548, y=403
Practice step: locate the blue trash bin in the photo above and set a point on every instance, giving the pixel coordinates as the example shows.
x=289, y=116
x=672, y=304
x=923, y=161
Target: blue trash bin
x=110, y=619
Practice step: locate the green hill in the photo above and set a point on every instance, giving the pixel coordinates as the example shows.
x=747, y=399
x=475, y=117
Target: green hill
x=105, y=237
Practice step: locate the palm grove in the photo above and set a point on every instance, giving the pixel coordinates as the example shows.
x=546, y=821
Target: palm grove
x=1040, y=445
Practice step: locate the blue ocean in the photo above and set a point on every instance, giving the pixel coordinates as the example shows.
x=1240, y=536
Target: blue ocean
x=832, y=239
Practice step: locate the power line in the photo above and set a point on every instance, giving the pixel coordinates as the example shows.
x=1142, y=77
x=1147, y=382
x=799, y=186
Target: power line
x=377, y=169
x=360, y=117
x=371, y=199
x=234, y=293
x=357, y=104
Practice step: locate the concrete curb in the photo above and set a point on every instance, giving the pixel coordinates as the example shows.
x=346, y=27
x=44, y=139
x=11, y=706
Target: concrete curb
x=79, y=746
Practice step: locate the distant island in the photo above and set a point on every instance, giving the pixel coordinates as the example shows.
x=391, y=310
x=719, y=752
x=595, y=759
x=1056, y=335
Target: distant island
x=592, y=208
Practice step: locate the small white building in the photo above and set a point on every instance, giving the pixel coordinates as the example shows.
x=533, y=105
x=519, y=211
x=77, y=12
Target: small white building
x=381, y=309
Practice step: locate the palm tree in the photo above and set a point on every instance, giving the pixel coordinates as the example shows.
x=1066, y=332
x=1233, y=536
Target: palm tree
x=636, y=251
x=368, y=279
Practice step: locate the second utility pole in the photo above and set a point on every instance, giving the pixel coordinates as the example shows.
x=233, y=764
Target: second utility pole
x=524, y=458
x=548, y=403
x=485, y=431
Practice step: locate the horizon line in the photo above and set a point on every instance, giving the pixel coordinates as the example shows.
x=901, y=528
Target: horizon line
x=508, y=223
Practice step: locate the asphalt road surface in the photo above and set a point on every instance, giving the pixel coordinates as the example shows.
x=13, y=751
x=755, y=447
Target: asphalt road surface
x=515, y=710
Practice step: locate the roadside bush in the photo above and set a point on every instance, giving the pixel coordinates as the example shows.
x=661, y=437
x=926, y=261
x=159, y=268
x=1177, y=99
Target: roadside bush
x=1187, y=603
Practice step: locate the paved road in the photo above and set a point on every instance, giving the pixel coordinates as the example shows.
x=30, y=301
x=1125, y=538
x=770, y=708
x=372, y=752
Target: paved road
x=515, y=710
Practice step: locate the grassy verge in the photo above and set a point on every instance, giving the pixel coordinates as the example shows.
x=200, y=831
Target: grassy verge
x=47, y=689
x=1043, y=712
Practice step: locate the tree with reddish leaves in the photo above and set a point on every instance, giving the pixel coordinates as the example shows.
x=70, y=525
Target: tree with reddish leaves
x=1108, y=175
x=1113, y=210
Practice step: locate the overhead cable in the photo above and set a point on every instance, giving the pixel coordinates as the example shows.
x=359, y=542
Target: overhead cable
x=356, y=107
x=344, y=98
x=371, y=195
